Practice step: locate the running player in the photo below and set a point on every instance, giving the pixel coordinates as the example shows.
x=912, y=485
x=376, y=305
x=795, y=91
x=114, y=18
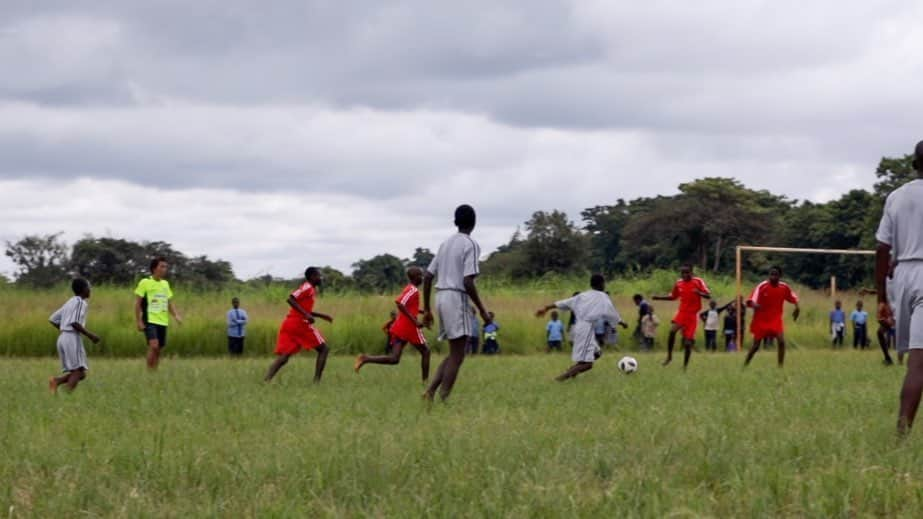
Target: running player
x=767, y=302
x=589, y=307
x=71, y=321
x=690, y=291
x=406, y=328
x=298, y=331
x=899, y=256
x=454, y=268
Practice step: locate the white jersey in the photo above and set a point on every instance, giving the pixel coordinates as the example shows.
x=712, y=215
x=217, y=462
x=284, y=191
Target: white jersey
x=711, y=321
x=901, y=222
x=591, y=306
x=73, y=311
x=457, y=259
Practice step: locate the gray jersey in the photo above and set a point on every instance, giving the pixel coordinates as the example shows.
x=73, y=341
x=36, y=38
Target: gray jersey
x=901, y=222
x=457, y=259
x=591, y=306
x=73, y=311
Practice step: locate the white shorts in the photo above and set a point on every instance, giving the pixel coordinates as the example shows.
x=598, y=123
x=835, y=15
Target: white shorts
x=454, y=310
x=585, y=346
x=70, y=349
x=905, y=292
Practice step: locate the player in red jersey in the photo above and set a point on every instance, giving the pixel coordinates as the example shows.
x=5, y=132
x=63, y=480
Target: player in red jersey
x=297, y=331
x=407, y=329
x=767, y=301
x=690, y=291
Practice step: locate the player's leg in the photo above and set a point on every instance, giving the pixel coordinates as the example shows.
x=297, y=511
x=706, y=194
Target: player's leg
x=424, y=360
x=575, y=370
x=753, y=349
x=780, y=339
x=671, y=342
x=911, y=391
x=452, y=367
x=74, y=378
x=884, y=342
x=276, y=365
x=397, y=349
x=322, y=352
x=687, y=351
x=153, y=352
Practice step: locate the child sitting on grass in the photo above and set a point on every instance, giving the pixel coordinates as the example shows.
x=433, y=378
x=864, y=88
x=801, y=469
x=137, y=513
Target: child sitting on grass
x=491, y=346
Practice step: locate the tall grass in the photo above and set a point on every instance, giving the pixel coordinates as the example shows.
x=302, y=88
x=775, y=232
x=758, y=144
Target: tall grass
x=358, y=318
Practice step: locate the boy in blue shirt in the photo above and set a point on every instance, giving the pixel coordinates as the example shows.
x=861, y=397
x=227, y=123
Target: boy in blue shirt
x=860, y=320
x=554, y=333
x=237, y=328
x=838, y=324
x=491, y=346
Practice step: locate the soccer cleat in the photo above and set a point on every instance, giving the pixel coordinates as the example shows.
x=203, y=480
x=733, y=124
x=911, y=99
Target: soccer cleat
x=52, y=385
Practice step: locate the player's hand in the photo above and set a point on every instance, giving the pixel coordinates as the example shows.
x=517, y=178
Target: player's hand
x=141, y=326
x=94, y=338
x=796, y=313
x=328, y=318
x=485, y=316
x=541, y=312
x=427, y=318
x=885, y=316
x=624, y=325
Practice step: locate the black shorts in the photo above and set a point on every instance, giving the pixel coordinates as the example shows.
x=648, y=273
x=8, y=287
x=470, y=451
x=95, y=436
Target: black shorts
x=156, y=331
x=236, y=345
x=554, y=345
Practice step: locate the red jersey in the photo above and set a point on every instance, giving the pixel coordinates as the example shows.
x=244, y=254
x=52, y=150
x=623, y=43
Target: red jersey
x=689, y=301
x=410, y=298
x=771, y=299
x=305, y=295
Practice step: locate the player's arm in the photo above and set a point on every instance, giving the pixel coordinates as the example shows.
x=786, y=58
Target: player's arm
x=796, y=312
x=325, y=317
x=882, y=272
x=138, y=313
x=668, y=297
x=407, y=313
x=543, y=310
x=174, y=312
x=427, y=293
x=472, y=290
x=79, y=328
x=703, y=316
x=292, y=302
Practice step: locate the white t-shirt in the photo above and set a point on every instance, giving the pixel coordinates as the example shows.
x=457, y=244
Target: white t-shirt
x=591, y=306
x=711, y=320
x=902, y=221
x=73, y=311
x=457, y=259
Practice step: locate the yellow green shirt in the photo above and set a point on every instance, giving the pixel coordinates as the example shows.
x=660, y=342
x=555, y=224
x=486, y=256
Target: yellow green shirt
x=156, y=298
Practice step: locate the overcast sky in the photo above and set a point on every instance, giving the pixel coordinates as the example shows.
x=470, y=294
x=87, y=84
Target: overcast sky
x=281, y=134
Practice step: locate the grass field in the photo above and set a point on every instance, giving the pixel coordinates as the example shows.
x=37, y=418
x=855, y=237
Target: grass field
x=358, y=318
x=204, y=437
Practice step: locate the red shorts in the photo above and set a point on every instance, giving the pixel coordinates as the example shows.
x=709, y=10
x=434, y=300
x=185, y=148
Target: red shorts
x=408, y=333
x=296, y=335
x=689, y=322
x=766, y=329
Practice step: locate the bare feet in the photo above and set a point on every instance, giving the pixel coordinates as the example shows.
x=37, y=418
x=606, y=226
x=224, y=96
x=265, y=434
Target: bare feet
x=668, y=361
x=52, y=385
x=360, y=361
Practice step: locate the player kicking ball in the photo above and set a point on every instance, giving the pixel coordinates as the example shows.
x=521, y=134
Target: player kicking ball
x=767, y=302
x=690, y=291
x=298, y=332
x=589, y=307
x=407, y=329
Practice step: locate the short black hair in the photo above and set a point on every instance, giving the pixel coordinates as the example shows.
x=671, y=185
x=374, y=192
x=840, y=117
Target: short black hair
x=597, y=281
x=638, y=297
x=79, y=286
x=918, y=157
x=156, y=263
x=310, y=271
x=687, y=266
x=465, y=217
x=776, y=267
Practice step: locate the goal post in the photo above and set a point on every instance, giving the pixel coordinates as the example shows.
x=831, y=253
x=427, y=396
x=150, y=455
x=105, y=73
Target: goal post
x=752, y=248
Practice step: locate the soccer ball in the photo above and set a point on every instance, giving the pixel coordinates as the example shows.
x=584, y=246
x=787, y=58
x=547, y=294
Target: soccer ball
x=628, y=365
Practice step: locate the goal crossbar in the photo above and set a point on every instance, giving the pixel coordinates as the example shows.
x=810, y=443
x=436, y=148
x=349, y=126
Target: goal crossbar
x=752, y=248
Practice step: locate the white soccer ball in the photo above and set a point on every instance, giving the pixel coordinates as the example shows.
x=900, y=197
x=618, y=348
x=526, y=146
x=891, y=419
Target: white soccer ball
x=628, y=365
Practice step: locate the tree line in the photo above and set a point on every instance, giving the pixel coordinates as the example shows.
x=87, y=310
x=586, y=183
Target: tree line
x=701, y=225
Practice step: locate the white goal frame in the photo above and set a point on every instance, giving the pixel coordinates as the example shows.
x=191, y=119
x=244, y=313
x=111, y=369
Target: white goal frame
x=753, y=248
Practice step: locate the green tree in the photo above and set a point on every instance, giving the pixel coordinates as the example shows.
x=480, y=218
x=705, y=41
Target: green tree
x=42, y=260
x=380, y=274
x=108, y=260
x=553, y=244
x=421, y=258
